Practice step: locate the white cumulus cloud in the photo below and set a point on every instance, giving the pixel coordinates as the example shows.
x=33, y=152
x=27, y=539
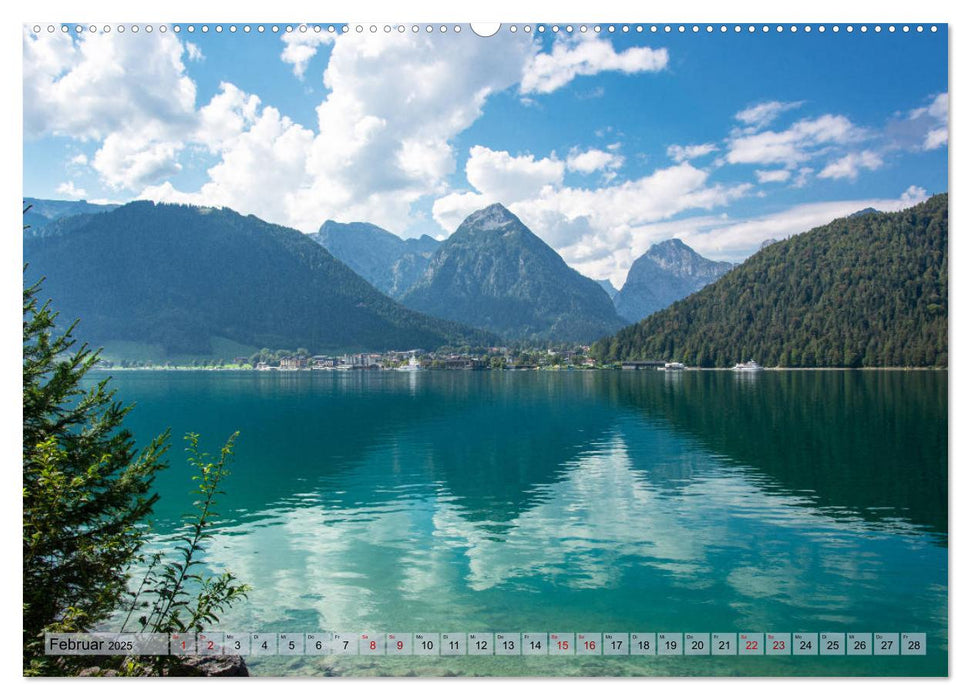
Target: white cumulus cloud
x=511, y=178
x=225, y=118
x=937, y=109
x=133, y=96
x=923, y=128
x=300, y=47
x=935, y=138
x=193, y=52
x=90, y=87
x=383, y=137
x=765, y=176
x=798, y=143
x=384, y=133
x=802, y=177
x=592, y=160
x=547, y=72
x=70, y=191
x=761, y=115
x=933, y=119
x=849, y=166
x=680, y=154
x=257, y=172
x=131, y=160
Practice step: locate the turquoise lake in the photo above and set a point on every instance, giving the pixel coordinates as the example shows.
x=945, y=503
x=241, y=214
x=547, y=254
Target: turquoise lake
x=701, y=501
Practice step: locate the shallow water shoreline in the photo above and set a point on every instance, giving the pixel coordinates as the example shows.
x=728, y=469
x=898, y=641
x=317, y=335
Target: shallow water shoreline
x=162, y=368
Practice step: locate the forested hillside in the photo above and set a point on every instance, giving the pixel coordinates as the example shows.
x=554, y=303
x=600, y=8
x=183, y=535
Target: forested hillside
x=868, y=290
x=179, y=276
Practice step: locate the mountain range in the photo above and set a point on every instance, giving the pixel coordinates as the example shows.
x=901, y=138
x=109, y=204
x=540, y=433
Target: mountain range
x=667, y=272
x=496, y=274
x=868, y=290
x=184, y=277
x=608, y=287
x=390, y=263
x=44, y=211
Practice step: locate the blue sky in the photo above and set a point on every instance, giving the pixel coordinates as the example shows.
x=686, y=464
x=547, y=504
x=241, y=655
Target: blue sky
x=603, y=143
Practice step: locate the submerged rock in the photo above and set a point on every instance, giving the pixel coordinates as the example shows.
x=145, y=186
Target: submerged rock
x=190, y=666
x=216, y=666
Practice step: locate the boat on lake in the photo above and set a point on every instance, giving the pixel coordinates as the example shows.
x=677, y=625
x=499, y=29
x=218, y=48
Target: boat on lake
x=750, y=366
x=413, y=365
x=673, y=366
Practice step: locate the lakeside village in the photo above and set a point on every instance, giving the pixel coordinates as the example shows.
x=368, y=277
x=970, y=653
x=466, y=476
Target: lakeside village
x=400, y=360
x=494, y=358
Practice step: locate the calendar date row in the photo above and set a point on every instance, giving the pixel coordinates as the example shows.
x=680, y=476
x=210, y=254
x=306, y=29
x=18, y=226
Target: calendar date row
x=495, y=644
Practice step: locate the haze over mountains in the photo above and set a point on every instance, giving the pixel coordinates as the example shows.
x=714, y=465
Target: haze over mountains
x=390, y=263
x=44, y=211
x=496, y=274
x=668, y=271
x=867, y=290
x=184, y=277
x=608, y=287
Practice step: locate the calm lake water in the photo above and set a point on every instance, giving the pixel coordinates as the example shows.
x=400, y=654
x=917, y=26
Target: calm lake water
x=573, y=501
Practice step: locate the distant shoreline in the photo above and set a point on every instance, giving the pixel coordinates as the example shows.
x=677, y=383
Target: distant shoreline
x=160, y=368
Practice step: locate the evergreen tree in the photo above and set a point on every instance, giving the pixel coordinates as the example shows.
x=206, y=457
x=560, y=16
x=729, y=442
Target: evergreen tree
x=87, y=492
x=86, y=489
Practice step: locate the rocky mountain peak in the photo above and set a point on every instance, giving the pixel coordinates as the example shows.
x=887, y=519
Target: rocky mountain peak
x=493, y=217
x=668, y=271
